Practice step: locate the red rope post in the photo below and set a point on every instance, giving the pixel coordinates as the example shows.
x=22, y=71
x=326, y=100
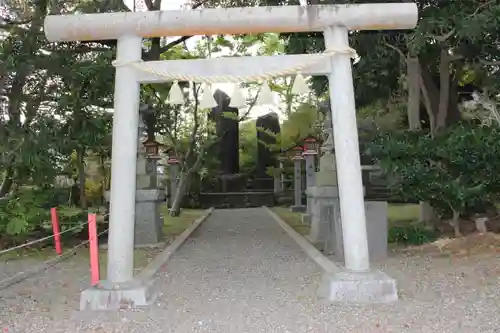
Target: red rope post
x=94, y=250
x=56, y=230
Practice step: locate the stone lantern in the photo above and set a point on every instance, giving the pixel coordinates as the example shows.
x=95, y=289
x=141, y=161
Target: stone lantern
x=296, y=156
x=311, y=143
x=152, y=149
x=149, y=196
x=310, y=152
x=281, y=177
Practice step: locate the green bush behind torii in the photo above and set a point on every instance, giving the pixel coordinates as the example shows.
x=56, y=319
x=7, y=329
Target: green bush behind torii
x=453, y=171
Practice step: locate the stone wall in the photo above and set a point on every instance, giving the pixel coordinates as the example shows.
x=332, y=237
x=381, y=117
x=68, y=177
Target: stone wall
x=236, y=199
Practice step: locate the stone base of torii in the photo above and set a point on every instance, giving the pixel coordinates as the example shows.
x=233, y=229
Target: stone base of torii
x=353, y=283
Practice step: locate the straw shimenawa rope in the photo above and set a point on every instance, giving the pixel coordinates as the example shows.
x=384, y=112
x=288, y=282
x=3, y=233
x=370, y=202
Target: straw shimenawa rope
x=233, y=78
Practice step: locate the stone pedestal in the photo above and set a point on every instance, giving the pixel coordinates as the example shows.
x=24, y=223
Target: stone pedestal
x=277, y=184
x=377, y=229
x=114, y=296
x=325, y=217
x=146, y=173
x=324, y=199
x=282, y=176
x=358, y=287
x=148, y=223
x=148, y=229
x=309, y=156
x=297, y=185
x=148, y=202
x=326, y=224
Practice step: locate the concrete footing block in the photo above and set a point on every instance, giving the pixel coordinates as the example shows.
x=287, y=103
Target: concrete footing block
x=298, y=209
x=306, y=219
x=108, y=297
x=358, y=287
x=140, y=291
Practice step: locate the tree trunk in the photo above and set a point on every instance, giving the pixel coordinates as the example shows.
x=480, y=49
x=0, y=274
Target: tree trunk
x=81, y=177
x=442, y=108
x=453, y=110
x=15, y=93
x=413, y=69
x=431, y=95
x=441, y=102
x=175, y=210
x=8, y=181
x=427, y=213
x=455, y=222
x=444, y=89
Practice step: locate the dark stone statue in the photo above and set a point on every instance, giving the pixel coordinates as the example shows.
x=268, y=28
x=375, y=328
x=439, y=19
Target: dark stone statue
x=268, y=127
x=227, y=130
x=227, y=148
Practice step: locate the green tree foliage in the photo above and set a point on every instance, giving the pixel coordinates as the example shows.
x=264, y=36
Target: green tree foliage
x=53, y=99
x=453, y=171
x=454, y=39
x=248, y=147
x=304, y=121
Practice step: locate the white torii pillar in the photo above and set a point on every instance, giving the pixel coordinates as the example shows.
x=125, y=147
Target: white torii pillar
x=129, y=29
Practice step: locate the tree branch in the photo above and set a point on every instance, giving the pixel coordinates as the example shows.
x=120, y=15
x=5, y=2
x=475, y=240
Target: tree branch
x=251, y=106
x=174, y=43
x=170, y=135
x=181, y=39
x=7, y=23
x=149, y=4
x=77, y=49
x=10, y=155
x=195, y=126
x=481, y=7
x=204, y=148
x=489, y=63
x=403, y=56
x=445, y=37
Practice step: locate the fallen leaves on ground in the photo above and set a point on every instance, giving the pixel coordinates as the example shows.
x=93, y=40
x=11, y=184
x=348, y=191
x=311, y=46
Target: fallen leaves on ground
x=472, y=244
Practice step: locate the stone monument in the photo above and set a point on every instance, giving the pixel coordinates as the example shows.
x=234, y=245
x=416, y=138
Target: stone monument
x=149, y=198
x=277, y=182
x=227, y=129
x=326, y=224
x=297, y=180
x=282, y=173
x=324, y=197
x=310, y=158
x=268, y=127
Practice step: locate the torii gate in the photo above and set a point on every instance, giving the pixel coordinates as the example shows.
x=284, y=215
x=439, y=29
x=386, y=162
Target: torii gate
x=129, y=29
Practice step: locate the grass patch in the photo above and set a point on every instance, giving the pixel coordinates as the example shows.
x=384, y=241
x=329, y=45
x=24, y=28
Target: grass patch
x=293, y=219
x=141, y=256
x=41, y=254
x=402, y=213
x=174, y=226
x=404, y=226
x=411, y=235
x=397, y=214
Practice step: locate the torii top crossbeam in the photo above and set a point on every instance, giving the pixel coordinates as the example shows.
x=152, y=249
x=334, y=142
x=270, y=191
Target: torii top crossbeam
x=230, y=21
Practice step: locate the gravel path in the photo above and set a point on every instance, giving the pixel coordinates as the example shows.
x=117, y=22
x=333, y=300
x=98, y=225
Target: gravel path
x=240, y=272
